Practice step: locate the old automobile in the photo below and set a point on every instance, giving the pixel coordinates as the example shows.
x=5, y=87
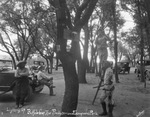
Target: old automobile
x=6, y=74
x=123, y=67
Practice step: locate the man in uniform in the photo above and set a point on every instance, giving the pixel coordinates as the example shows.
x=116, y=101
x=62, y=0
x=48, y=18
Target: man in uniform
x=107, y=89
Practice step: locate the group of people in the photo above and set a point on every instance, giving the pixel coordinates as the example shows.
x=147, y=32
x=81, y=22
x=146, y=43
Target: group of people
x=23, y=73
x=41, y=76
x=107, y=88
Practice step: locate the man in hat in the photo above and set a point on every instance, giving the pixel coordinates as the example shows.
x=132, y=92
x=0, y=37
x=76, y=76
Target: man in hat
x=22, y=70
x=45, y=79
x=21, y=86
x=107, y=89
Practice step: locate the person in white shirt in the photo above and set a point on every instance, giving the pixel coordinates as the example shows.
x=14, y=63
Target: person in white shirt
x=45, y=79
x=107, y=89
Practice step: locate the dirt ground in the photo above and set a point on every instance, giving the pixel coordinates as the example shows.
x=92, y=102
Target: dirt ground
x=130, y=97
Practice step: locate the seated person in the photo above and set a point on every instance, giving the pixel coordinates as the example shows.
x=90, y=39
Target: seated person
x=45, y=79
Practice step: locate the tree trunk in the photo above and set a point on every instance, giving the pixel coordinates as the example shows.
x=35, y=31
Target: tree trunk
x=70, y=99
x=148, y=12
x=47, y=65
x=92, y=56
x=115, y=41
x=51, y=65
x=142, y=41
x=83, y=63
x=148, y=37
x=96, y=65
x=147, y=6
x=56, y=66
x=92, y=64
x=68, y=59
x=50, y=58
x=82, y=71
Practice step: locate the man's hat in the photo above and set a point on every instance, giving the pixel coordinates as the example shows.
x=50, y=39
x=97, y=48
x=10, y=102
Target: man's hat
x=21, y=62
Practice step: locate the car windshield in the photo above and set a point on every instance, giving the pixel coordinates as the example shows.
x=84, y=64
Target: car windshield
x=5, y=65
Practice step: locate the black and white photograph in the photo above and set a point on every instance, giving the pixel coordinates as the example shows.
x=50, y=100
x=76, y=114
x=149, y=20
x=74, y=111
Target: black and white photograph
x=74, y=58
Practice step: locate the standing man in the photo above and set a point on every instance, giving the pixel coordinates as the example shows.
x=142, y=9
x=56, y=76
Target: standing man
x=21, y=84
x=107, y=89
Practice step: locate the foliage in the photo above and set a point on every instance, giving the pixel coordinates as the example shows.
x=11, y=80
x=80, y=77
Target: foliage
x=45, y=36
x=141, y=19
x=28, y=25
x=17, y=20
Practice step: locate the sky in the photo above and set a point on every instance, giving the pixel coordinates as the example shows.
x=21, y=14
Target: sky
x=129, y=21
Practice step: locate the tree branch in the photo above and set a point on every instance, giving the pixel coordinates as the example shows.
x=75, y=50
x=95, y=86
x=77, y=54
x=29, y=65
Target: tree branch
x=52, y=2
x=80, y=10
x=87, y=13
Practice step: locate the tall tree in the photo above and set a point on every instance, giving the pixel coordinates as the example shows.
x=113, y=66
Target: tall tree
x=68, y=59
x=139, y=10
x=12, y=26
x=105, y=11
x=16, y=19
x=140, y=24
x=132, y=41
x=115, y=39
